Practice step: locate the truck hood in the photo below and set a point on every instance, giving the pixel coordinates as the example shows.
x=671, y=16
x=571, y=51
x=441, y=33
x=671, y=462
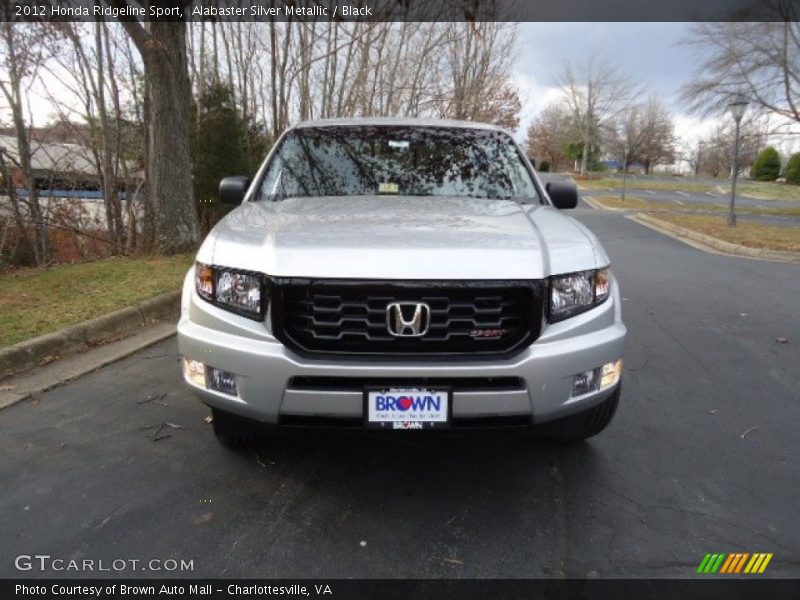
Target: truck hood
x=393, y=237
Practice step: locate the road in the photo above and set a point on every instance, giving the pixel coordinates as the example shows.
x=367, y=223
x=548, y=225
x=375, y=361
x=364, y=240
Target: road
x=702, y=457
x=711, y=201
x=681, y=198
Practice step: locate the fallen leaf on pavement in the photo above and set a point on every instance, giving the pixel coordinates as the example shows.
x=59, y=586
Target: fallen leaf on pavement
x=48, y=359
x=209, y=419
x=453, y=561
x=204, y=518
x=7, y=388
x=782, y=340
x=748, y=431
x=260, y=462
x=158, y=428
x=712, y=411
x=155, y=399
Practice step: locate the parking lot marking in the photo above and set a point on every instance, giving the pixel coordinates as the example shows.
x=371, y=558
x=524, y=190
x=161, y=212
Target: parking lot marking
x=712, y=195
x=650, y=192
x=684, y=194
x=679, y=202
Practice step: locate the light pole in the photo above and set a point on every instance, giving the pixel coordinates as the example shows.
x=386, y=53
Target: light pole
x=737, y=107
x=624, y=169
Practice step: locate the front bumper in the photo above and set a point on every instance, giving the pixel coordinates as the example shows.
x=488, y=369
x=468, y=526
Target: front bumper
x=269, y=376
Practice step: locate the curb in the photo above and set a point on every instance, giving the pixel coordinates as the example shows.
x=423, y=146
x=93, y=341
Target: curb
x=28, y=385
x=708, y=243
x=82, y=336
x=598, y=206
x=594, y=204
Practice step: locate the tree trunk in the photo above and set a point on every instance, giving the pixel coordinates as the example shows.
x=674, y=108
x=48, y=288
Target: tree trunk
x=169, y=155
x=170, y=213
x=201, y=78
x=116, y=152
x=584, y=158
x=110, y=197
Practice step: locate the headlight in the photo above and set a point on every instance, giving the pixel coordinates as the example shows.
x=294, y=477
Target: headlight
x=578, y=292
x=237, y=291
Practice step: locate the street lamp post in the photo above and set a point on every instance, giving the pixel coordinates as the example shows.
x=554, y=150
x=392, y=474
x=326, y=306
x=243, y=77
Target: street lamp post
x=624, y=169
x=737, y=107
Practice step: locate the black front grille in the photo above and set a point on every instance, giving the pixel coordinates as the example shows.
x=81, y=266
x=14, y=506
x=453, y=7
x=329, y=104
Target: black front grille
x=337, y=316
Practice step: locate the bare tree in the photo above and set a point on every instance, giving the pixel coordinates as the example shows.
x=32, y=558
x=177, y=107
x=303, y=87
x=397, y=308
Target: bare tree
x=549, y=135
x=759, y=59
x=477, y=73
x=21, y=55
x=171, y=218
x=647, y=131
x=596, y=94
x=20, y=221
x=716, y=149
x=87, y=70
x=283, y=71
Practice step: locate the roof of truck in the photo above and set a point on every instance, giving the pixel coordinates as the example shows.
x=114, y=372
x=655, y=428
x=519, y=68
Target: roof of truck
x=397, y=122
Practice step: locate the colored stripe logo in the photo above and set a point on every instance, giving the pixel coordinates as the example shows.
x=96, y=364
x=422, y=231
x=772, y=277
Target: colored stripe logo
x=737, y=562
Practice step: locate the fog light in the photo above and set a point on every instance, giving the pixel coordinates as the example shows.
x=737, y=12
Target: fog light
x=195, y=371
x=585, y=382
x=221, y=381
x=611, y=373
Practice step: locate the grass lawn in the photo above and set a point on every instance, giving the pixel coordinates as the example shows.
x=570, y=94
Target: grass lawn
x=753, y=189
x=746, y=233
x=767, y=191
x=38, y=301
x=645, y=184
x=636, y=203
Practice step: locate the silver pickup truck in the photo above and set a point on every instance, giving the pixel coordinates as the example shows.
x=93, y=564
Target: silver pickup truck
x=401, y=274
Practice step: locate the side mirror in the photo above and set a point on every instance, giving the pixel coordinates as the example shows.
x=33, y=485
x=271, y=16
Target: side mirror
x=233, y=189
x=563, y=195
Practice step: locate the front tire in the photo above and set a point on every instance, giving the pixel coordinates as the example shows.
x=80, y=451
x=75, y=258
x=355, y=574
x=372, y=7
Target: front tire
x=232, y=430
x=586, y=424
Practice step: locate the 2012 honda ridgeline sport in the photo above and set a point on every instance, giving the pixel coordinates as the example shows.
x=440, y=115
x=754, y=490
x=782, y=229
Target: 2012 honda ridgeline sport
x=401, y=274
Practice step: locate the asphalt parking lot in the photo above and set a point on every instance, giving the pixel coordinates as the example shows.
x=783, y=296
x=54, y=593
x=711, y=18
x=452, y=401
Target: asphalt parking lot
x=712, y=202
x=702, y=457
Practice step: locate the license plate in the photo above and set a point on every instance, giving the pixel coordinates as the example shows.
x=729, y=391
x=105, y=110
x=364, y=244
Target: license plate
x=407, y=407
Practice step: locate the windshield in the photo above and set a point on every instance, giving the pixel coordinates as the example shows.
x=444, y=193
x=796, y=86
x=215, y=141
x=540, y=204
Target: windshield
x=412, y=161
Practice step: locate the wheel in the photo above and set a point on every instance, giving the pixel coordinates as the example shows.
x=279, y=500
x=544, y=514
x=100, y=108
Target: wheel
x=233, y=430
x=584, y=424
